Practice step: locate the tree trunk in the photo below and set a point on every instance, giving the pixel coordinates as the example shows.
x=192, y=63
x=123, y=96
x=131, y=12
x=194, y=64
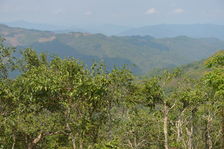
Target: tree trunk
x=206, y=135
x=73, y=142
x=190, y=137
x=14, y=142
x=30, y=146
x=135, y=142
x=178, y=126
x=81, y=144
x=130, y=144
x=165, y=126
x=222, y=128
x=190, y=132
x=34, y=142
x=71, y=136
x=208, y=140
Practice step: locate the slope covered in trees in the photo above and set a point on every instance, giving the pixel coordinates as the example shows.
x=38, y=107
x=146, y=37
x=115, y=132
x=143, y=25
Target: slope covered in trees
x=145, y=52
x=59, y=103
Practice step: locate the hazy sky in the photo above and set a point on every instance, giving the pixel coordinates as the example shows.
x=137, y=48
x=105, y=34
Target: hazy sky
x=121, y=12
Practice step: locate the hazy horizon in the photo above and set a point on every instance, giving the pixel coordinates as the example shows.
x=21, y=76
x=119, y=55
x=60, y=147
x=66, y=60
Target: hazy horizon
x=124, y=13
x=65, y=26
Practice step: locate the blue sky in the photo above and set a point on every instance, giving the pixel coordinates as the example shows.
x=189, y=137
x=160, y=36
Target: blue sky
x=120, y=12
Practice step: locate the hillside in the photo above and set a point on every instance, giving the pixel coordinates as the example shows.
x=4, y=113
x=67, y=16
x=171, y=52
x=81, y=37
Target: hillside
x=194, y=70
x=49, y=97
x=173, y=30
x=145, y=52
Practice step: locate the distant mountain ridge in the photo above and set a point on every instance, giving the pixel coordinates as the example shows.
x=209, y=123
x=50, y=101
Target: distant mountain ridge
x=158, y=31
x=107, y=29
x=145, y=52
x=173, y=30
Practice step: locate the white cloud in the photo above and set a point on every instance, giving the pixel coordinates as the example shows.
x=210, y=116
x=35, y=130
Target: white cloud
x=178, y=11
x=88, y=13
x=151, y=11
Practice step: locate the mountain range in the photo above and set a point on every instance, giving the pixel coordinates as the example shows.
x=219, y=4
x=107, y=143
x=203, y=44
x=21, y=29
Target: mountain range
x=145, y=52
x=107, y=29
x=173, y=30
x=158, y=31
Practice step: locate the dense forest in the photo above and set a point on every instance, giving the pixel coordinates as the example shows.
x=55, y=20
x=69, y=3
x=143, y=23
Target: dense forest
x=56, y=103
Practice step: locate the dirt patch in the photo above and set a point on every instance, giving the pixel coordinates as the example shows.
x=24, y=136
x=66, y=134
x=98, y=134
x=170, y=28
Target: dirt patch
x=47, y=39
x=13, y=41
x=5, y=33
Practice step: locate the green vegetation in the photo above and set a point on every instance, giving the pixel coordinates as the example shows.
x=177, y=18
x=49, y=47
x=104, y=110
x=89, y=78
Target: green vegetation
x=146, y=53
x=59, y=103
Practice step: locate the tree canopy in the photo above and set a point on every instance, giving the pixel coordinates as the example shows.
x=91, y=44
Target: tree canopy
x=61, y=103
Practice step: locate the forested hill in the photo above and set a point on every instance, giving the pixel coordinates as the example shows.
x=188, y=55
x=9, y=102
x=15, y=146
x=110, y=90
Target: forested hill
x=145, y=52
x=60, y=103
x=194, y=70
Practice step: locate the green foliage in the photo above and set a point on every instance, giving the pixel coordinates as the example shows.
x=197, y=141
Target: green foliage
x=114, y=144
x=6, y=59
x=215, y=78
x=60, y=103
x=216, y=60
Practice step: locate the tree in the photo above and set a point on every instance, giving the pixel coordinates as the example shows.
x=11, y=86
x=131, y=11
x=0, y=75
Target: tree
x=6, y=59
x=215, y=80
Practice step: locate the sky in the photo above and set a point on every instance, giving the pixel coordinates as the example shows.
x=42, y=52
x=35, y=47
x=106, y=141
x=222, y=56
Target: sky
x=119, y=12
